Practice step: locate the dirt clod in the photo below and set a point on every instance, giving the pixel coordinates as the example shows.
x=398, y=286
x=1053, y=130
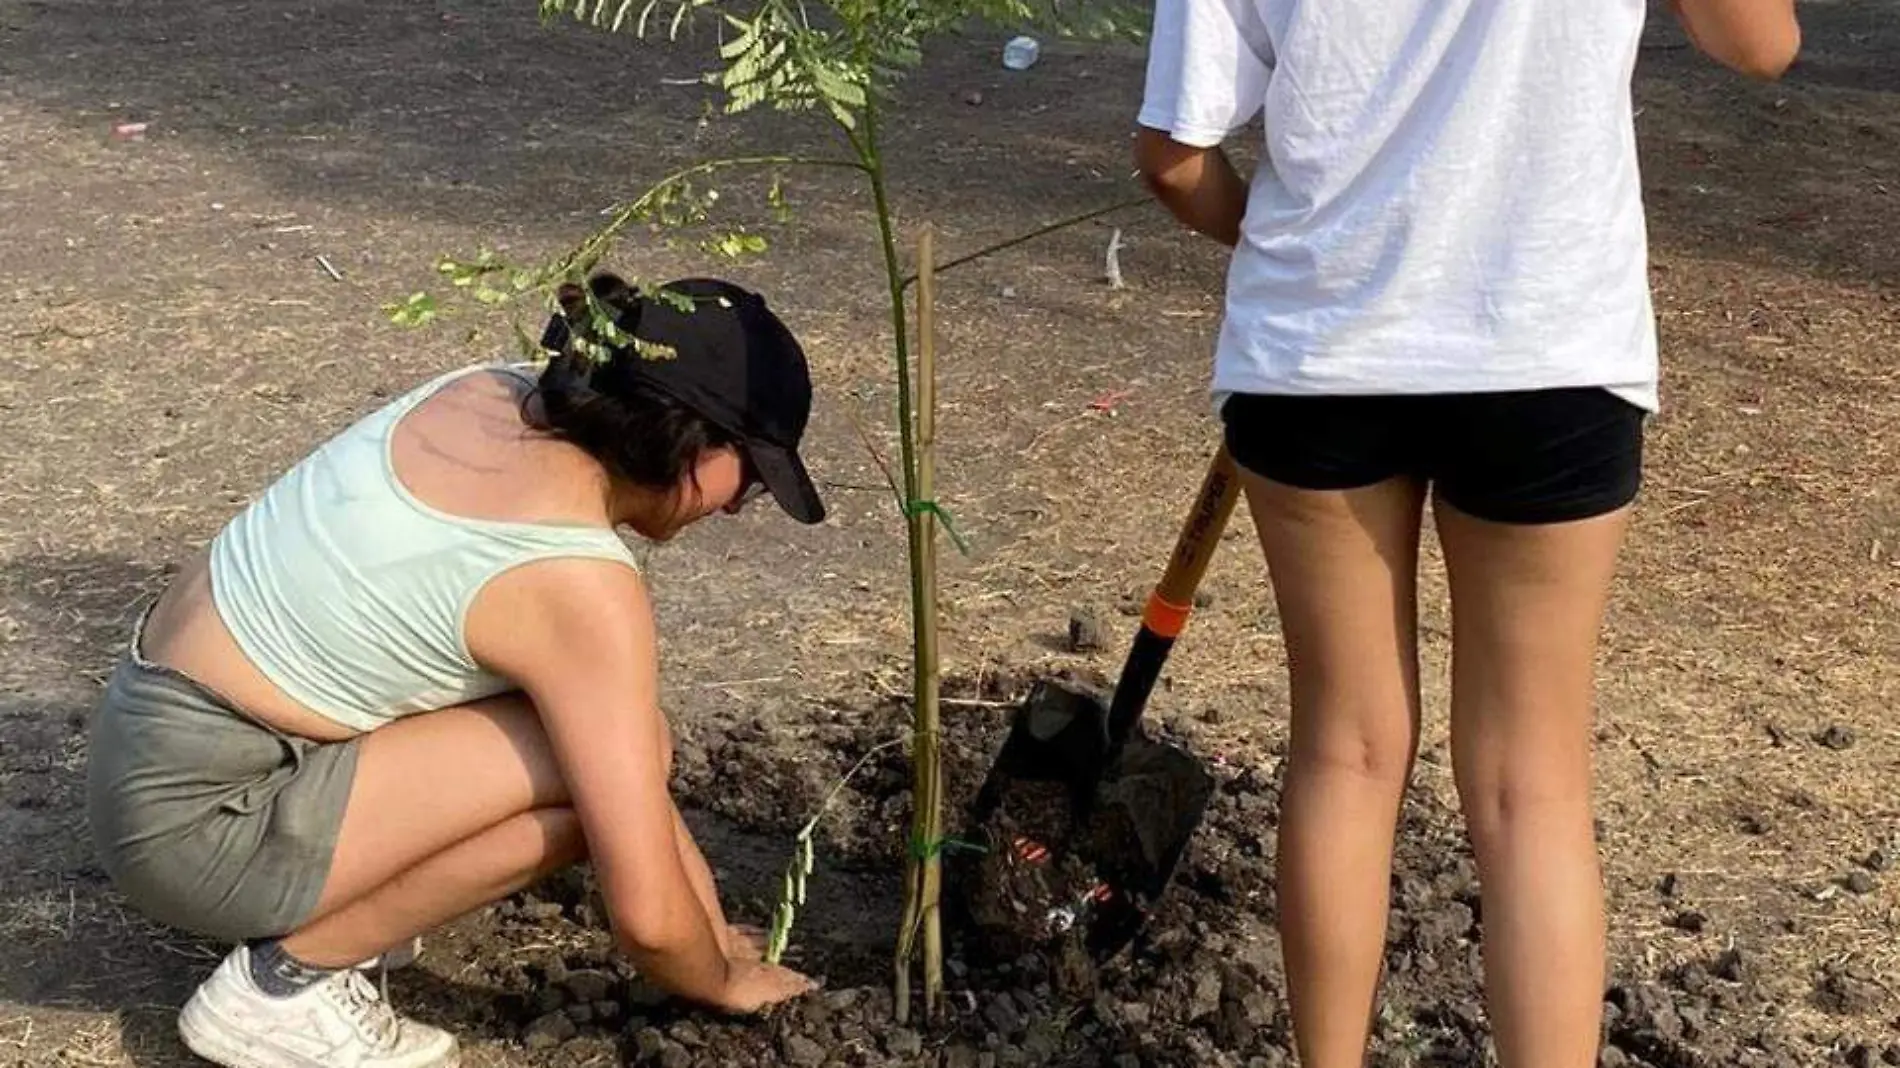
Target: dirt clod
x=1002, y=1015
x=589, y=985
x=1204, y=1001
x=549, y=1031
x=652, y=1048
x=541, y=911
x=1842, y=990
x=1688, y=921
x=1836, y=737
x=802, y=1051
x=549, y=999
x=1860, y=882
x=1087, y=631
x=903, y=1042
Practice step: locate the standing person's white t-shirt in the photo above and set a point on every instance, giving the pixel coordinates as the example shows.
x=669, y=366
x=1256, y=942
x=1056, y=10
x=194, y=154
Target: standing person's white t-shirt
x=1448, y=201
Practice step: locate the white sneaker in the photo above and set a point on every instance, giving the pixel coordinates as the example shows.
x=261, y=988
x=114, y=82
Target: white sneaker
x=339, y=1022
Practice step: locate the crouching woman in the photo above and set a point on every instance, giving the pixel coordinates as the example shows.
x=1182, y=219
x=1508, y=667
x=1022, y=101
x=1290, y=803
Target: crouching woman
x=420, y=673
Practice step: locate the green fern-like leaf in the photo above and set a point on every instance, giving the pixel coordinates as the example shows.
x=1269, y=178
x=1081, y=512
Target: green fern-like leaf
x=740, y=45
x=674, y=299
x=735, y=246
x=419, y=310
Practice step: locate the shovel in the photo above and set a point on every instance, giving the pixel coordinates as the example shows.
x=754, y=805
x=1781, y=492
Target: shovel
x=1135, y=802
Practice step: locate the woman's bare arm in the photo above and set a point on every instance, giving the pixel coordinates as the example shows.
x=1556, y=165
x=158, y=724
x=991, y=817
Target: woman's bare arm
x=1198, y=185
x=1759, y=38
x=577, y=636
x=699, y=873
x=580, y=642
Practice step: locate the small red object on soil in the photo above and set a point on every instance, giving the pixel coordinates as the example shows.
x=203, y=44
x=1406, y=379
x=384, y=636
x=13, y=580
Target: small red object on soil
x=1030, y=850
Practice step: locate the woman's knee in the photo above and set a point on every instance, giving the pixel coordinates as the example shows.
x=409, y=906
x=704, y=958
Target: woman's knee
x=1514, y=797
x=1522, y=761
x=1376, y=747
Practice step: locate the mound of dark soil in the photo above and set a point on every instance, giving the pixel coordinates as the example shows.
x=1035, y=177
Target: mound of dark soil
x=1200, y=984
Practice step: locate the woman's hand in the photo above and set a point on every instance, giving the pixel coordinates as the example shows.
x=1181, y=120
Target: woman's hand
x=755, y=985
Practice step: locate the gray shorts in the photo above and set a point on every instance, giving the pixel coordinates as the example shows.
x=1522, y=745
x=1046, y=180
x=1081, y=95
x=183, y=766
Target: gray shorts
x=206, y=820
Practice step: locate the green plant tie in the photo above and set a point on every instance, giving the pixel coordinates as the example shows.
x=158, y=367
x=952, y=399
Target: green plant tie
x=913, y=509
x=925, y=850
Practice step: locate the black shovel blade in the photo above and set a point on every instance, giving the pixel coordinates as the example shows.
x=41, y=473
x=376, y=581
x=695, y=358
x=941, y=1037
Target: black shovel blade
x=1058, y=734
x=1132, y=814
x=1146, y=812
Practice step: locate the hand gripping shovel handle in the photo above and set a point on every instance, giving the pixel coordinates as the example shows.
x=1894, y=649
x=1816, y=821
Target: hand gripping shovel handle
x=1166, y=614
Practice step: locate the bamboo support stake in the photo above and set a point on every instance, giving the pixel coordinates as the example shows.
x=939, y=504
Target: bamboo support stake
x=929, y=687
x=923, y=871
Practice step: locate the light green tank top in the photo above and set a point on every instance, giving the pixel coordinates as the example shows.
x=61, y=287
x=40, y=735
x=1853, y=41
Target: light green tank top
x=350, y=594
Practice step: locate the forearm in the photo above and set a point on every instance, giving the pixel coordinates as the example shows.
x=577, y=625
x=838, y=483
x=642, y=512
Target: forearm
x=680, y=952
x=699, y=873
x=1199, y=186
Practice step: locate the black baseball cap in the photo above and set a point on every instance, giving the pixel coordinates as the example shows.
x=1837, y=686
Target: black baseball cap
x=733, y=361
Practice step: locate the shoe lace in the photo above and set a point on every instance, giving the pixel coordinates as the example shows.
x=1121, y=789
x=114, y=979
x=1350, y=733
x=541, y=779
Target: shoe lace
x=368, y=1009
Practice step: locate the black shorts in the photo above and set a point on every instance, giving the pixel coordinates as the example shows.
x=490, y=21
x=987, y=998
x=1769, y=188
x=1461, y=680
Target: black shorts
x=1540, y=456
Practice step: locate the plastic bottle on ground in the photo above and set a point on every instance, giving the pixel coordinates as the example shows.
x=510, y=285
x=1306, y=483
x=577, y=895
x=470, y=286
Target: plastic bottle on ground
x=1021, y=53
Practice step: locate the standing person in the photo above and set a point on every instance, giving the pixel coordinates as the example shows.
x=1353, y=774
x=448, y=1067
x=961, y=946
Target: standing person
x=420, y=672
x=1439, y=288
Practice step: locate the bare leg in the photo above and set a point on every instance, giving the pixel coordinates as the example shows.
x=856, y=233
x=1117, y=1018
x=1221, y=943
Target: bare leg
x=419, y=846
x=1527, y=605
x=506, y=857
x=1344, y=566
x=447, y=811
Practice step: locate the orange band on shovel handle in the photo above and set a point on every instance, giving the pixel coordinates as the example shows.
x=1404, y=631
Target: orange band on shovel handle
x=1165, y=618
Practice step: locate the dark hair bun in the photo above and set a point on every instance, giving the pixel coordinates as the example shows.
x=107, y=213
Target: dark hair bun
x=637, y=431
